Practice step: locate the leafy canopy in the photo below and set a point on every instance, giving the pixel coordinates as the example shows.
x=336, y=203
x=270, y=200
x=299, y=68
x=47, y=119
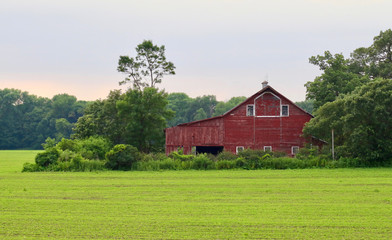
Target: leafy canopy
x=147, y=68
x=342, y=75
x=362, y=122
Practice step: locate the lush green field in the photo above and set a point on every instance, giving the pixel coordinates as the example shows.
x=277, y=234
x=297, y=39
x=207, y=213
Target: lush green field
x=278, y=204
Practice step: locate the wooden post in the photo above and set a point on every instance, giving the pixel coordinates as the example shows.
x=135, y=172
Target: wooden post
x=333, y=146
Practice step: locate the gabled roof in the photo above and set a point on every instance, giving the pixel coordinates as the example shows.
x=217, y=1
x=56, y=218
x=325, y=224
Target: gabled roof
x=259, y=93
x=239, y=105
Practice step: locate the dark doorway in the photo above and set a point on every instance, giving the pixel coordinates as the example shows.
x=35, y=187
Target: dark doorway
x=215, y=150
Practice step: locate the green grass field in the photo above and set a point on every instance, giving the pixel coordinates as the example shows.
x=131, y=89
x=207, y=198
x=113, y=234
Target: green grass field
x=277, y=204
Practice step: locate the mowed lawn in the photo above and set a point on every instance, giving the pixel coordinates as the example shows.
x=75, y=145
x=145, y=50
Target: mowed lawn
x=277, y=204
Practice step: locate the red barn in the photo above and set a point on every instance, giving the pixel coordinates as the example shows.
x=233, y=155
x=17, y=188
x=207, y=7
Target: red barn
x=267, y=120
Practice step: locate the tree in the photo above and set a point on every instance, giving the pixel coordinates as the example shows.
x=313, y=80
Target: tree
x=307, y=105
x=376, y=60
x=147, y=68
x=145, y=113
x=200, y=114
x=27, y=120
x=342, y=76
x=63, y=128
x=101, y=119
x=337, y=78
x=362, y=121
x=179, y=103
x=206, y=102
x=223, y=107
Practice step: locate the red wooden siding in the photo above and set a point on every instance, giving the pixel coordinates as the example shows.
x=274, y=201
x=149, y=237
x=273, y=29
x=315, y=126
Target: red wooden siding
x=235, y=128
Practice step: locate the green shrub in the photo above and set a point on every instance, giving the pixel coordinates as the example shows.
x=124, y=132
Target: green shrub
x=67, y=156
x=94, y=147
x=68, y=144
x=31, y=167
x=169, y=164
x=225, y=155
x=240, y=162
x=180, y=156
x=276, y=154
x=122, y=157
x=252, y=158
x=86, y=165
x=78, y=164
x=50, y=156
x=225, y=164
x=49, y=143
x=146, y=166
x=153, y=157
x=202, y=162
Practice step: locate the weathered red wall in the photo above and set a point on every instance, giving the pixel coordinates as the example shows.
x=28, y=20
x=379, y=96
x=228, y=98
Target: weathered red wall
x=236, y=129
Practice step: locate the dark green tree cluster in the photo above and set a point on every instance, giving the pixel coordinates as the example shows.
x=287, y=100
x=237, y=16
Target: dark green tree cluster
x=136, y=117
x=353, y=98
x=27, y=120
x=342, y=75
x=361, y=120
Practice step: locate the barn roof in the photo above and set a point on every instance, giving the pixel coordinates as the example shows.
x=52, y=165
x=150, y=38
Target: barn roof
x=233, y=109
x=260, y=92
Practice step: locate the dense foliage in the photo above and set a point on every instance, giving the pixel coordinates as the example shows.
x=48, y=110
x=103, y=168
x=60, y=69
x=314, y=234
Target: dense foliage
x=342, y=75
x=136, y=117
x=68, y=155
x=361, y=120
x=71, y=155
x=27, y=120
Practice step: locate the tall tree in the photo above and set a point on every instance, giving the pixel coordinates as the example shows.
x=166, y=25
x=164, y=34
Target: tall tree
x=147, y=68
x=362, y=122
x=376, y=60
x=342, y=76
x=337, y=78
x=145, y=113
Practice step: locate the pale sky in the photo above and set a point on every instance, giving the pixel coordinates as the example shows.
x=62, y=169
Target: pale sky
x=220, y=47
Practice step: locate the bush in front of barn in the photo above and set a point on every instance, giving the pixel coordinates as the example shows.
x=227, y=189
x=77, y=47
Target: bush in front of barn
x=122, y=157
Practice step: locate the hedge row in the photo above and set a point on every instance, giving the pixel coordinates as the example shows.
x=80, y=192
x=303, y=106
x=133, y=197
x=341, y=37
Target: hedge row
x=95, y=154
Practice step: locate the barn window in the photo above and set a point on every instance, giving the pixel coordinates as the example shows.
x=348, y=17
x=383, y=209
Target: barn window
x=239, y=149
x=267, y=149
x=250, y=110
x=294, y=150
x=285, y=110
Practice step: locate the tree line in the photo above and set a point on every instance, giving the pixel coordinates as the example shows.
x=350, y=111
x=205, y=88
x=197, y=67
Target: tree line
x=353, y=98
x=27, y=120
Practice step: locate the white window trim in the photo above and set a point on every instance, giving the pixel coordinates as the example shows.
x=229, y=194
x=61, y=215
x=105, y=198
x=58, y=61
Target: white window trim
x=239, y=147
x=268, y=147
x=281, y=110
x=292, y=149
x=252, y=112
